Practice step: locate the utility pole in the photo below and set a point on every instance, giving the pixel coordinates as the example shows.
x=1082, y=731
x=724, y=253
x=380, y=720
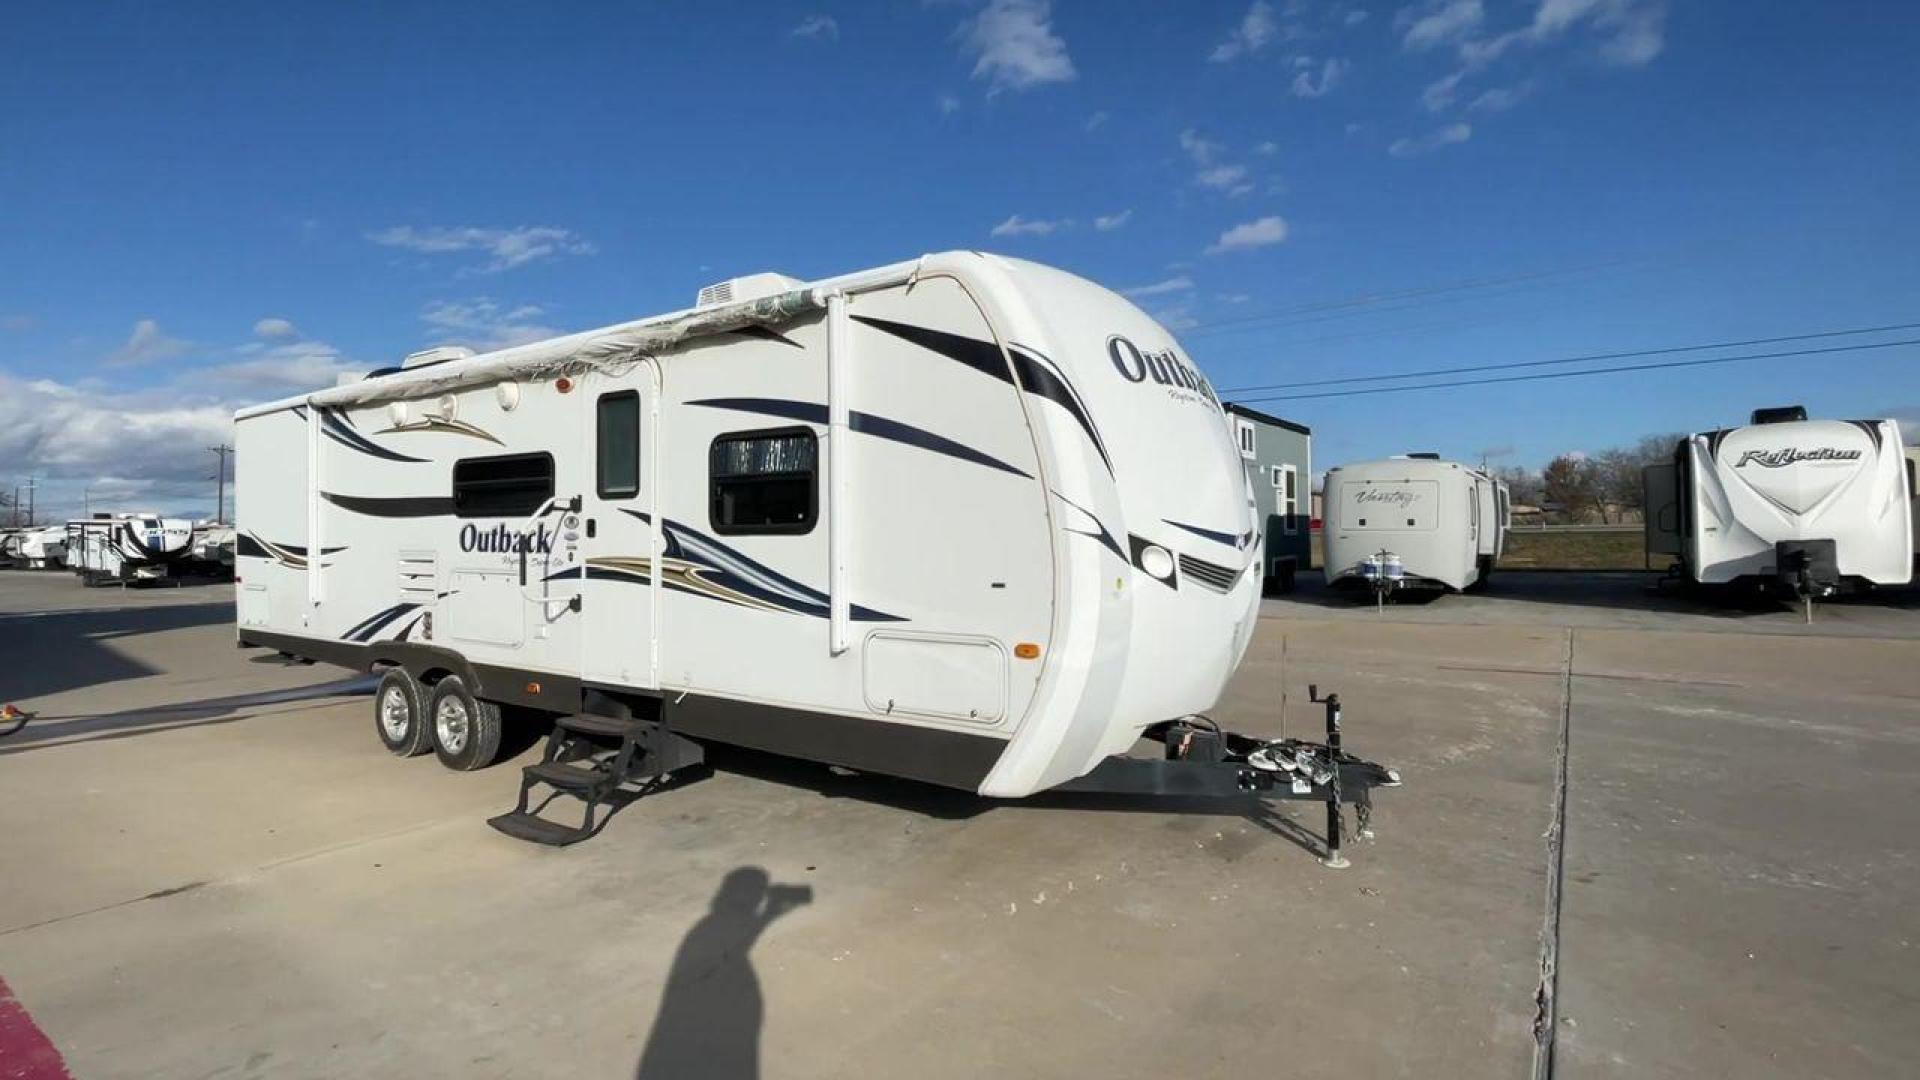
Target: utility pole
x=31, y=485
x=220, y=505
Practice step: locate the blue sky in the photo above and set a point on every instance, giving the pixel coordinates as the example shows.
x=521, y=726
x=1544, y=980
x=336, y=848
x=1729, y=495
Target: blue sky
x=205, y=205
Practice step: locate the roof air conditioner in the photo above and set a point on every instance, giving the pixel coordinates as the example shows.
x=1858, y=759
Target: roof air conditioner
x=439, y=354
x=751, y=287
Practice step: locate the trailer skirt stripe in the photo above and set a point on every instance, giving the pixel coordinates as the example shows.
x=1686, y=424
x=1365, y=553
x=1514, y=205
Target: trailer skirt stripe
x=986, y=358
x=1104, y=536
x=401, y=507
x=879, y=427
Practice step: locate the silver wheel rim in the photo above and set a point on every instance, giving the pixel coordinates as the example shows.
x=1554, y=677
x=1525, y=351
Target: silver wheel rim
x=450, y=724
x=393, y=714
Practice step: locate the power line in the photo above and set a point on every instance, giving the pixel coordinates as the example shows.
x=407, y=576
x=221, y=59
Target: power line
x=1666, y=351
x=1572, y=374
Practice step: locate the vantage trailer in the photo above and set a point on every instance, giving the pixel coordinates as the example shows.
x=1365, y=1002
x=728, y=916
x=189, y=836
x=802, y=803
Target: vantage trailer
x=966, y=520
x=1807, y=507
x=1445, y=521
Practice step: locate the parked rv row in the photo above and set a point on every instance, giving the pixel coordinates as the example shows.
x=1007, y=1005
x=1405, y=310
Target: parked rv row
x=1806, y=508
x=123, y=548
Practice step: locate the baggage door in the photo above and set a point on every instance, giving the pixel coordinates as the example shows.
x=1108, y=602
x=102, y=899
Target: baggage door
x=1661, y=505
x=620, y=531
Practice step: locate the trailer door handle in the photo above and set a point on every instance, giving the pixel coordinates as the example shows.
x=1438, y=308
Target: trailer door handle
x=592, y=528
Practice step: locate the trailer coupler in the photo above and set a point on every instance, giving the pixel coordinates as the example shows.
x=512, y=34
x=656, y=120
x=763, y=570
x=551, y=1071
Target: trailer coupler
x=1202, y=761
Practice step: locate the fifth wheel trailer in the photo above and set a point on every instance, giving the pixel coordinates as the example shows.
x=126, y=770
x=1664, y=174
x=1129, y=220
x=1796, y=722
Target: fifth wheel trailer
x=1447, y=522
x=127, y=547
x=967, y=520
x=1810, y=506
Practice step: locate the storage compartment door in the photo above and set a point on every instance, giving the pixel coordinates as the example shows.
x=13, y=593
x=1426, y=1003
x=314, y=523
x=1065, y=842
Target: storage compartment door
x=950, y=677
x=1660, y=483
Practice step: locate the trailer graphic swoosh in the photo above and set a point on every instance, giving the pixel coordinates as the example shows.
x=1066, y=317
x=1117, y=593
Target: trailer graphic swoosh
x=1036, y=374
x=879, y=427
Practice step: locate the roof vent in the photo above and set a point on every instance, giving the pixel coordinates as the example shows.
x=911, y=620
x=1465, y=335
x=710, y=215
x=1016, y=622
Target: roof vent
x=1784, y=414
x=1425, y=455
x=751, y=287
x=439, y=354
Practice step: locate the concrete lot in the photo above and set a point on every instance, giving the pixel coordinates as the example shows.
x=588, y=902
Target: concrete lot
x=201, y=879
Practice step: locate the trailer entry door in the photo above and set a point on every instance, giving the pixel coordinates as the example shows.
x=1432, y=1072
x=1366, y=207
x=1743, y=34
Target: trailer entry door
x=619, y=530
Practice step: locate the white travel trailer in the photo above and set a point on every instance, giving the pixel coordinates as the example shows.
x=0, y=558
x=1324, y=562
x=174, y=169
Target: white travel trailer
x=1811, y=506
x=966, y=519
x=44, y=549
x=127, y=547
x=1446, y=522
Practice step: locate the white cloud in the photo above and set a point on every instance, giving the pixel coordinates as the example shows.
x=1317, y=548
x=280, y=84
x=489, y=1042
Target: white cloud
x=1201, y=149
x=141, y=451
x=1441, y=93
x=1433, y=140
x=271, y=327
x=284, y=369
x=1330, y=73
x=1267, y=149
x=1095, y=121
x=1222, y=177
x=505, y=248
x=484, y=324
x=819, y=27
x=1015, y=46
x=1439, y=22
x=1355, y=18
x=1631, y=32
x=1263, y=232
x=1183, y=283
x=1257, y=27
x=1110, y=222
x=1019, y=226
x=1176, y=318
x=146, y=345
x=947, y=104
x=1500, y=98
x=1236, y=297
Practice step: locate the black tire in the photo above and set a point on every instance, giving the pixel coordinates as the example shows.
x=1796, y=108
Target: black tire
x=466, y=730
x=408, y=737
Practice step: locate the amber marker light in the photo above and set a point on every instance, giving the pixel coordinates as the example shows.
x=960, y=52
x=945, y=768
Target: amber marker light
x=1027, y=650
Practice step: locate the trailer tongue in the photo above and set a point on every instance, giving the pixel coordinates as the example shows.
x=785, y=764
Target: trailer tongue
x=1202, y=761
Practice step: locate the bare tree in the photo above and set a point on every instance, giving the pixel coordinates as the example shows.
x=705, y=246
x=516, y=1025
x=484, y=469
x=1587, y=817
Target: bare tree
x=1523, y=484
x=1568, y=482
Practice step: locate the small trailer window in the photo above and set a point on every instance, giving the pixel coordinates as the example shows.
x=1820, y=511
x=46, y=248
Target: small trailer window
x=617, y=420
x=511, y=485
x=765, y=481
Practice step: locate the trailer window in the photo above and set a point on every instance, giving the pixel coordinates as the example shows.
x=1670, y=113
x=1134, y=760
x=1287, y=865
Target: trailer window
x=765, y=481
x=511, y=485
x=617, y=424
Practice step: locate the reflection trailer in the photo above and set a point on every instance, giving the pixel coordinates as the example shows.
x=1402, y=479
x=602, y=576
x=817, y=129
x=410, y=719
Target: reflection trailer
x=1804, y=507
x=966, y=520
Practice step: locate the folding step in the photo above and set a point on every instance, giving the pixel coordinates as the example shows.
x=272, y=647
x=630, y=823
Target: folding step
x=569, y=777
x=611, y=727
x=524, y=826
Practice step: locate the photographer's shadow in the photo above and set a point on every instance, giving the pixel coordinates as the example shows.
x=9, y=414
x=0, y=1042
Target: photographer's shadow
x=711, y=1011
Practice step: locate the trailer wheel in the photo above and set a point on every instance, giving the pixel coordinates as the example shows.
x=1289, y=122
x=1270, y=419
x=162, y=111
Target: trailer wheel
x=466, y=730
x=400, y=714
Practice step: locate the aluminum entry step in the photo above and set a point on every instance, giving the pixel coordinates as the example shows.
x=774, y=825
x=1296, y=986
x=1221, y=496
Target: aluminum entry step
x=569, y=777
x=610, y=727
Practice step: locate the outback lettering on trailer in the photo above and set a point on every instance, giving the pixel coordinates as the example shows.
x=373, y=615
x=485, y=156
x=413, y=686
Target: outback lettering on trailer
x=1793, y=455
x=1165, y=368
x=503, y=540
